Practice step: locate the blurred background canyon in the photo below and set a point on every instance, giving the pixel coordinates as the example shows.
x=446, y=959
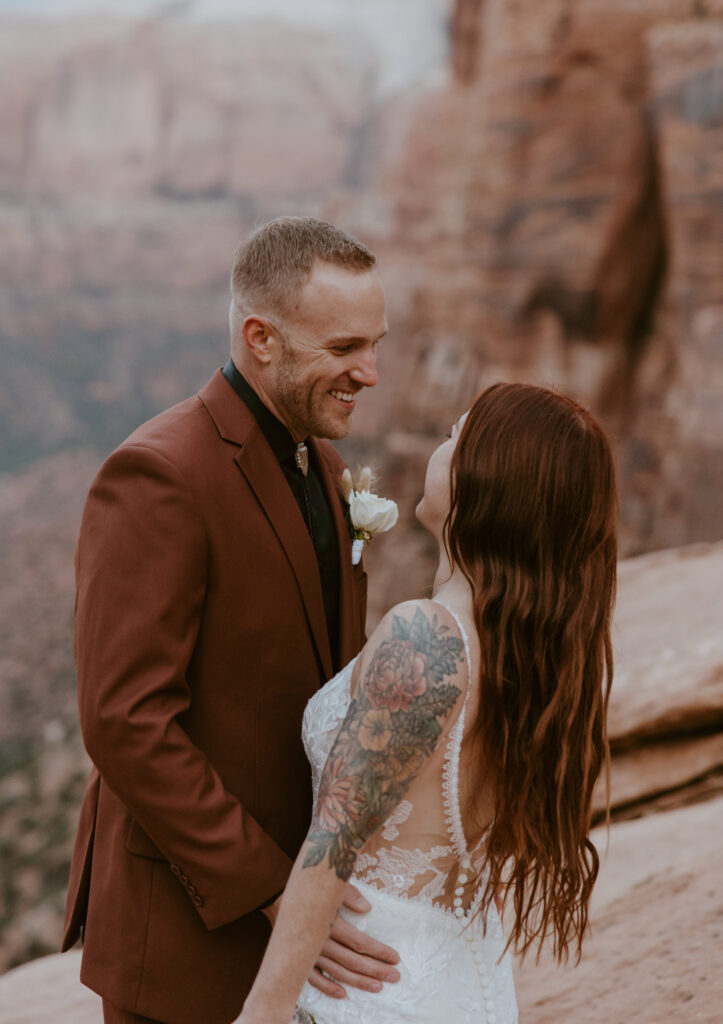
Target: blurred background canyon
x=542, y=182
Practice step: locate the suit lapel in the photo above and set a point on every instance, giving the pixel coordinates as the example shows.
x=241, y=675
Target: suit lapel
x=349, y=611
x=266, y=479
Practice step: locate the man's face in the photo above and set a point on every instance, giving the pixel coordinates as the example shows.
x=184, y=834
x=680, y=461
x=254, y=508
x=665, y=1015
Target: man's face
x=327, y=351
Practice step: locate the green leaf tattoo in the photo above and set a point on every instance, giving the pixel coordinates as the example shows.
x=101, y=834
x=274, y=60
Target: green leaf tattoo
x=390, y=728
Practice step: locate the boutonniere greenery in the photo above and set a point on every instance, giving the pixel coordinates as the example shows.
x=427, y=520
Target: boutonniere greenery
x=368, y=513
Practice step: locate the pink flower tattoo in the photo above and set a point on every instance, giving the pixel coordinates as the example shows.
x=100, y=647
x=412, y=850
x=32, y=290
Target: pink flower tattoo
x=396, y=675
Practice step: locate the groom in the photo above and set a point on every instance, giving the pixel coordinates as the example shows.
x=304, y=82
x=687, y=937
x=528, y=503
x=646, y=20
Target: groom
x=215, y=594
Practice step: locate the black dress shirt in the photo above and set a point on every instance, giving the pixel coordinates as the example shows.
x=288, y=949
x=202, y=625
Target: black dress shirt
x=309, y=495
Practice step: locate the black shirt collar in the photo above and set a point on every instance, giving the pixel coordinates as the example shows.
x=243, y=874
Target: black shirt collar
x=279, y=437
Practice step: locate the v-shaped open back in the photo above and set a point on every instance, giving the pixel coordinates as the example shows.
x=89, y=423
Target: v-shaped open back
x=421, y=851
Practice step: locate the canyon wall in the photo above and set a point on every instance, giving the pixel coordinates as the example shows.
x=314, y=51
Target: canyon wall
x=558, y=217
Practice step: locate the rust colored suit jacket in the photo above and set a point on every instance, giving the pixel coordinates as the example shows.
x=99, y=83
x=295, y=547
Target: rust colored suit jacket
x=200, y=635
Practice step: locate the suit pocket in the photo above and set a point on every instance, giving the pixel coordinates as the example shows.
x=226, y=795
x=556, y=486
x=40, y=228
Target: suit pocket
x=141, y=844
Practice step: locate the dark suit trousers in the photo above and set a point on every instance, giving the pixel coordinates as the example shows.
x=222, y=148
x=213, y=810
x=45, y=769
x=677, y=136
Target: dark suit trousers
x=112, y=1015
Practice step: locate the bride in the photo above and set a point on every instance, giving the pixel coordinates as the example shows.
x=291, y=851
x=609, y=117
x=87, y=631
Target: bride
x=454, y=759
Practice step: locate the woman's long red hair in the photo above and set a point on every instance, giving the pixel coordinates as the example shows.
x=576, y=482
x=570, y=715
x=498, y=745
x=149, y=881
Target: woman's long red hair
x=532, y=525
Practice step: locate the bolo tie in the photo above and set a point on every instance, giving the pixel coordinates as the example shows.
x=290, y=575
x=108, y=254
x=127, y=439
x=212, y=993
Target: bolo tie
x=302, y=458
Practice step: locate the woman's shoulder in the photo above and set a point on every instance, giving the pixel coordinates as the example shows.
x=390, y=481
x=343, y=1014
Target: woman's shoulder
x=424, y=614
x=423, y=631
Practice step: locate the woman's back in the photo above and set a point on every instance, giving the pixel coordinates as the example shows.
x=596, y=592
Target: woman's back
x=420, y=871
x=426, y=844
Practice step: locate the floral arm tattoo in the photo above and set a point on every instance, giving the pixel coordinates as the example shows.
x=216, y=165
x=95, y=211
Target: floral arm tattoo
x=391, y=726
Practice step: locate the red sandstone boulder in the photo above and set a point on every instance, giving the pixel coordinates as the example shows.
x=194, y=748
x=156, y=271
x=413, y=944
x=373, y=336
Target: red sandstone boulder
x=653, y=953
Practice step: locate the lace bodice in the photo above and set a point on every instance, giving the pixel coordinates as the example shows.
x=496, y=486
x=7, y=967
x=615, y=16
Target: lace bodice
x=420, y=852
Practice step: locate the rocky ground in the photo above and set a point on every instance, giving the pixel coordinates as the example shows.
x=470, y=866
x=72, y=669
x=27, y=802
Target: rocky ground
x=666, y=710
x=653, y=955
x=48, y=990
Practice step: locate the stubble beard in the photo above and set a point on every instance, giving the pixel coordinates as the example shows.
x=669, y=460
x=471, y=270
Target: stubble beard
x=300, y=401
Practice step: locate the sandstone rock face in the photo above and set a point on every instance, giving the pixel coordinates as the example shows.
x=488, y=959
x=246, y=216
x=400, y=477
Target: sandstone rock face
x=137, y=107
x=666, y=709
x=687, y=97
x=465, y=32
x=562, y=201
x=669, y=645
x=663, y=773
x=652, y=955
x=48, y=990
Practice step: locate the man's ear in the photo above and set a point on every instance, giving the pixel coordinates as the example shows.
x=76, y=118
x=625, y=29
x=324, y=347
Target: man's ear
x=258, y=338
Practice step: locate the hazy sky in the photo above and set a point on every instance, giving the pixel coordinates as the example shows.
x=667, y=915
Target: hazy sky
x=410, y=35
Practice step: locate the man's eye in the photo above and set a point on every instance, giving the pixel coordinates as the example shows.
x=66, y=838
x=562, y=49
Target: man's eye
x=342, y=350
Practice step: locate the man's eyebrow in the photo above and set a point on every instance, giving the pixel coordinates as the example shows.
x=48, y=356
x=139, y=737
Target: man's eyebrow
x=348, y=339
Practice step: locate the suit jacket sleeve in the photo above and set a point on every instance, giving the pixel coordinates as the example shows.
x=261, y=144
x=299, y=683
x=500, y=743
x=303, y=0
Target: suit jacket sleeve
x=141, y=572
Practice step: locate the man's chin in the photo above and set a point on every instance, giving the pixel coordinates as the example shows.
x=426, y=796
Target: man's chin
x=332, y=428
x=335, y=432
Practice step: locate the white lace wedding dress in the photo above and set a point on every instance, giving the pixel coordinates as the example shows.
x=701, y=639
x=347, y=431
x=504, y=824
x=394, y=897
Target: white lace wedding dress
x=416, y=872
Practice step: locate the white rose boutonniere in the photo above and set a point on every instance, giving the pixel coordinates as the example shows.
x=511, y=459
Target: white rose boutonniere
x=369, y=514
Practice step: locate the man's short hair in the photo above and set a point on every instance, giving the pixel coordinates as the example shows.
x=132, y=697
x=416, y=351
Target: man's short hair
x=272, y=266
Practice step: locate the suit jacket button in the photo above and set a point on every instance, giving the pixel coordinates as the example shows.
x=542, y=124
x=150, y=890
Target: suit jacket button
x=198, y=900
x=175, y=869
x=191, y=889
x=183, y=879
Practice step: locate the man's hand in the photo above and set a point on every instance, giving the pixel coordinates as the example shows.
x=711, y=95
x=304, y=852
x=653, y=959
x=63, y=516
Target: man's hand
x=349, y=957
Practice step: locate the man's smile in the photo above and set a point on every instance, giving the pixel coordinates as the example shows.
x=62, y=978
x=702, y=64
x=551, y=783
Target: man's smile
x=346, y=398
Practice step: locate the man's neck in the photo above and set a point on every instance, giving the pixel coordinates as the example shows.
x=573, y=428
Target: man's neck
x=254, y=381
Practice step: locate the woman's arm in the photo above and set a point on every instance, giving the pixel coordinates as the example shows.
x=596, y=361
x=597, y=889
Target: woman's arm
x=408, y=686
x=349, y=957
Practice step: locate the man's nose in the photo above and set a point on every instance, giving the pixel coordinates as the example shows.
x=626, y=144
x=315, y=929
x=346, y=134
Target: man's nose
x=364, y=371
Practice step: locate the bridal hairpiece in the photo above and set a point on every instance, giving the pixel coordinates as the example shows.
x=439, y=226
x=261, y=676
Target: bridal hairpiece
x=369, y=514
